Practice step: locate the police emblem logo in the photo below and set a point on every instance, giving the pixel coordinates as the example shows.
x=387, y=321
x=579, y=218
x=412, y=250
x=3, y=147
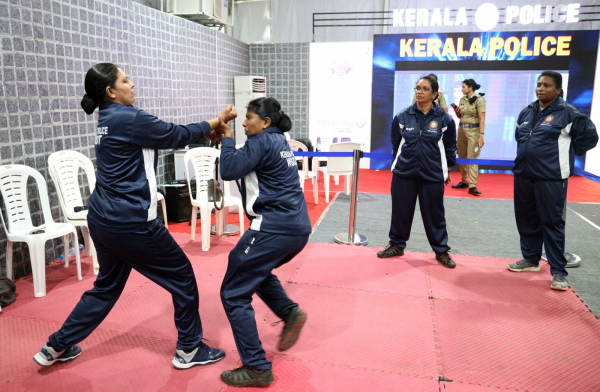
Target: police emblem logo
x=433, y=125
x=549, y=118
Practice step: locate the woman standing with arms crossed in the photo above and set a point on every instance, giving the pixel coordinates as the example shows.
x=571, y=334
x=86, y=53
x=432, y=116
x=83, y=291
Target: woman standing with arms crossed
x=424, y=146
x=549, y=133
x=471, y=111
x=122, y=219
x=279, y=229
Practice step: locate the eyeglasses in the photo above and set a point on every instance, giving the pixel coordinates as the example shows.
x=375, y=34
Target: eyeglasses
x=424, y=89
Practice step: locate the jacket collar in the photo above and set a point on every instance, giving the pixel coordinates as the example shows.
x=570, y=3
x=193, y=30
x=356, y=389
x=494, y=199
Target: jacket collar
x=108, y=104
x=436, y=109
x=268, y=130
x=558, y=104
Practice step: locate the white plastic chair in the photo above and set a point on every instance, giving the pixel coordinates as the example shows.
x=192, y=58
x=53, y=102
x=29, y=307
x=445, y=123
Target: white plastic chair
x=64, y=170
x=203, y=161
x=161, y=198
x=338, y=166
x=19, y=227
x=305, y=173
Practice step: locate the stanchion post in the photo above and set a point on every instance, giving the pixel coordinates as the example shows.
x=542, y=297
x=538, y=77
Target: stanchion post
x=351, y=238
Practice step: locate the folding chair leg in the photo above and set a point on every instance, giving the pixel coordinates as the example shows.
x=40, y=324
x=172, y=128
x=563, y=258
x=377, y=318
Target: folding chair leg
x=66, y=250
x=205, y=227
x=77, y=254
x=347, y=182
x=164, y=209
x=326, y=180
x=336, y=180
x=194, y=218
x=9, y=257
x=38, y=267
x=315, y=189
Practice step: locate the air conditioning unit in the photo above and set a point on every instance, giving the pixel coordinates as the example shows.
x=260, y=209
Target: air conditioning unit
x=208, y=12
x=246, y=89
x=220, y=9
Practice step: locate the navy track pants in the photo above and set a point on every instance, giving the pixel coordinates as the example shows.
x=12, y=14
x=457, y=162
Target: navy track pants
x=151, y=251
x=539, y=206
x=249, y=271
x=431, y=203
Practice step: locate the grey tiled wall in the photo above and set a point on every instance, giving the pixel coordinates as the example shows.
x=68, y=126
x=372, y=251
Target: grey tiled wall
x=286, y=68
x=183, y=73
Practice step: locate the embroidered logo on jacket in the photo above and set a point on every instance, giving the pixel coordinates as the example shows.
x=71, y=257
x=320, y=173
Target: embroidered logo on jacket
x=549, y=119
x=433, y=125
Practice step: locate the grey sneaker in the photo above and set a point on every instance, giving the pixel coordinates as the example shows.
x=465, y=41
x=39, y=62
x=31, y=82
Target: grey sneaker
x=559, y=282
x=47, y=355
x=523, y=265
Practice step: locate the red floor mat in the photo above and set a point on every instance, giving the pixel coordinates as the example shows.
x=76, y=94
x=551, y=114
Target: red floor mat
x=519, y=348
x=384, y=325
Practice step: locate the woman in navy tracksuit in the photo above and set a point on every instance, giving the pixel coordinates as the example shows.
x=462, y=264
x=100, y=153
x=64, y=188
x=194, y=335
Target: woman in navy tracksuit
x=549, y=133
x=122, y=219
x=279, y=230
x=424, y=146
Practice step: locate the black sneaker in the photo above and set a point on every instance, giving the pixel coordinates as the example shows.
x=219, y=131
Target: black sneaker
x=445, y=259
x=47, y=355
x=460, y=185
x=390, y=251
x=291, y=330
x=247, y=376
x=474, y=191
x=201, y=355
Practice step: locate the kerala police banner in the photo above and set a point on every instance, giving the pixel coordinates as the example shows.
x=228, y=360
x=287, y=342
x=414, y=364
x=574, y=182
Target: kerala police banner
x=505, y=64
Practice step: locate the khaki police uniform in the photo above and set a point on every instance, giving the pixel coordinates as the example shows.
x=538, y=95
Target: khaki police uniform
x=439, y=100
x=468, y=135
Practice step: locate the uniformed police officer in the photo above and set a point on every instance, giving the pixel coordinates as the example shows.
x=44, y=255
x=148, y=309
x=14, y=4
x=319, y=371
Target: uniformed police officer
x=421, y=167
x=279, y=229
x=549, y=133
x=122, y=219
x=471, y=111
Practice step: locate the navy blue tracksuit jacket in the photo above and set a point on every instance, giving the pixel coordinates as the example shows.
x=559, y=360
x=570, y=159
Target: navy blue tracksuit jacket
x=121, y=219
x=424, y=147
x=547, y=142
x=127, y=141
x=279, y=230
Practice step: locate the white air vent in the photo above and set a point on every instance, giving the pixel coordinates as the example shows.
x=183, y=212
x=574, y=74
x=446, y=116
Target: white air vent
x=259, y=85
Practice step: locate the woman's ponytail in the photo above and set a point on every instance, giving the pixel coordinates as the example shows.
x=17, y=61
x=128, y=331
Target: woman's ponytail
x=88, y=104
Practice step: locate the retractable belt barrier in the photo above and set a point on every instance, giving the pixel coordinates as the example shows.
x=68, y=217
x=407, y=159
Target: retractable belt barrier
x=351, y=238
x=461, y=161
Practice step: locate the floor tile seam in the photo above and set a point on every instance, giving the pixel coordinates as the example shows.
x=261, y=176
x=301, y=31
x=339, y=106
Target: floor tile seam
x=303, y=258
x=584, y=310
x=358, y=290
x=436, y=337
x=584, y=303
x=292, y=358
